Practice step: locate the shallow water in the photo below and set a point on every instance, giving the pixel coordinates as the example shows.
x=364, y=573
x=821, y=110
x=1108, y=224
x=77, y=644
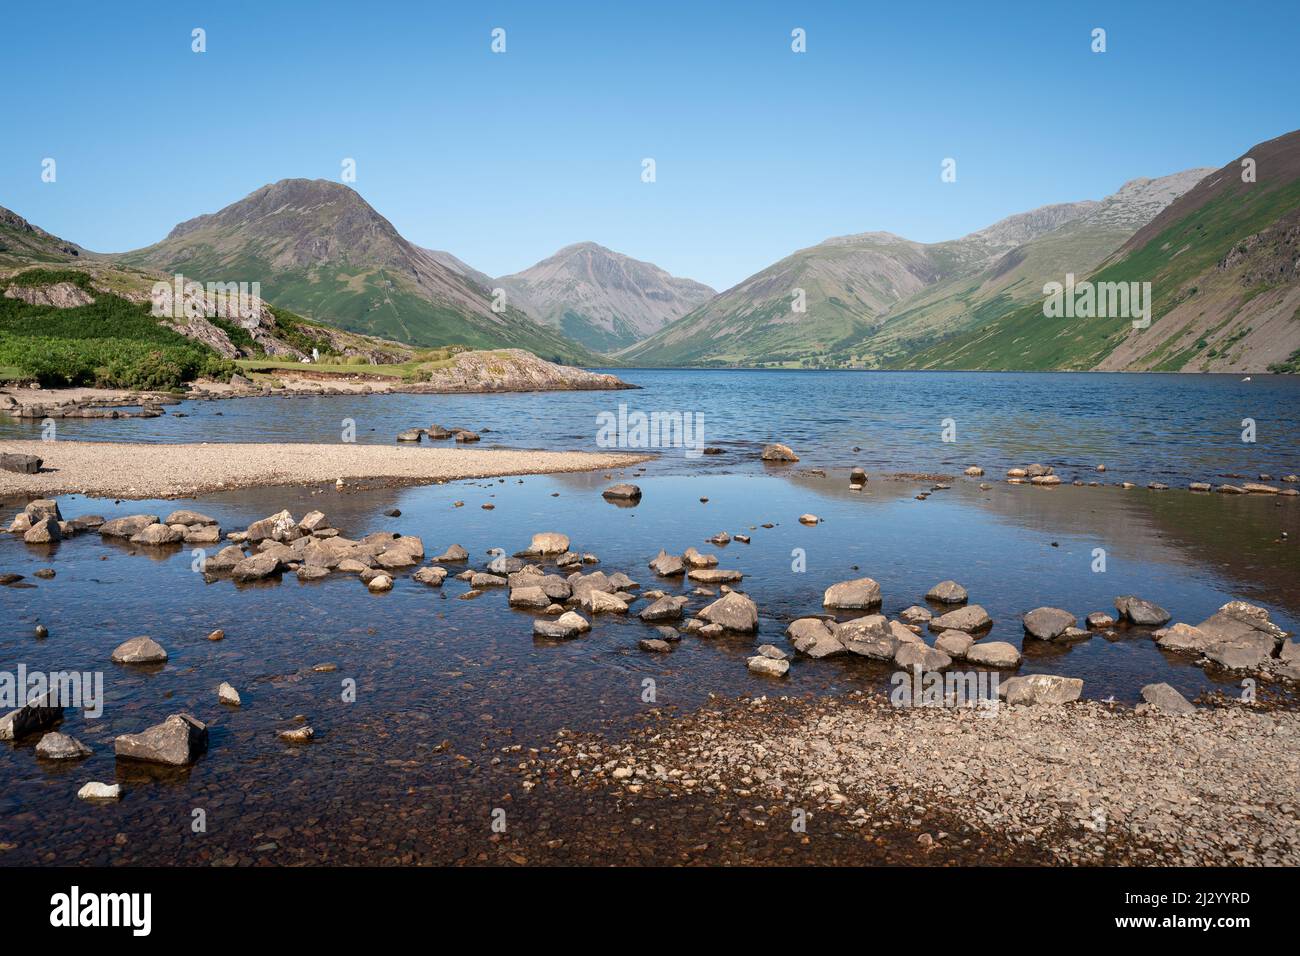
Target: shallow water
x=431, y=668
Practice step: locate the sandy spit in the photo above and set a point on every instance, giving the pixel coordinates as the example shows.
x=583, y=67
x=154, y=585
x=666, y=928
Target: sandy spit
x=139, y=470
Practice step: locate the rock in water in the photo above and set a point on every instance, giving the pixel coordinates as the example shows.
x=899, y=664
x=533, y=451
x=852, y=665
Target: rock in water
x=859, y=594
x=778, y=452
x=994, y=654
x=35, y=715
x=768, y=666
x=56, y=746
x=44, y=531
x=733, y=612
x=622, y=492
x=668, y=565
x=454, y=553
x=177, y=742
x=100, y=791
x=812, y=636
x=432, y=576
x=1048, y=623
x=410, y=434
x=1163, y=697
x=298, y=735
x=228, y=695
x=970, y=619
x=668, y=608
x=549, y=542
x=947, y=592
x=919, y=656
x=139, y=650
x=126, y=527
x=954, y=643
x=1140, y=612
x=654, y=645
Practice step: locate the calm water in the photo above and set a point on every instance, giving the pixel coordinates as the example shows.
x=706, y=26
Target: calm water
x=431, y=668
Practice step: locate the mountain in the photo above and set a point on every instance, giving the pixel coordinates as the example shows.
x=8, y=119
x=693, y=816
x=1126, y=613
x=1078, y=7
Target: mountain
x=319, y=249
x=602, y=299
x=849, y=284
x=1223, y=260
x=22, y=243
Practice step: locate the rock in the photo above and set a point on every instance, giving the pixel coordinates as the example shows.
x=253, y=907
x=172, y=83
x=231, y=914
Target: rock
x=533, y=597
x=956, y=644
x=947, y=592
x=974, y=471
x=1238, y=619
x=85, y=523
x=188, y=518
x=913, y=656
x=1100, y=619
x=158, y=534
x=553, y=586
x=715, y=576
x=574, y=619
x=654, y=645
x=100, y=791
x=622, y=492
x=311, y=522
x=812, y=636
x=1183, y=637
x=778, y=452
x=809, y=519
x=1254, y=488
x=1163, y=697
x=1048, y=623
x=667, y=608
x=859, y=594
x=56, y=746
x=557, y=630
x=139, y=650
x=695, y=559
x=599, y=602
x=228, y=695
x=915, y=615
x=44, y=531
x=1230, y=490
x=993, y=654
x=668, y=565
x=503, y=564
x=224, y=560
x=733, y=612
x=1140, y=612
x=465, y=435
x=772, y=651
x=970, y=619
x=857, y=476
x=1289, y=653
x=38, y=713
x=379, y=583
x=256, y=568
x=176, y=742
x=1248, y=652
x=767, y=666
x=549, y=542
x=432, y=576
x=1038, y=471
x=454, y=553
x=297, y=735
x=1198, y=486
x=22, y=464
x=1043, y=689
x=126, y=527
x=42, y=508
x=868, y=636
x=280, y=526
x=411, y=434
x=1048, y=480
x=204, y=534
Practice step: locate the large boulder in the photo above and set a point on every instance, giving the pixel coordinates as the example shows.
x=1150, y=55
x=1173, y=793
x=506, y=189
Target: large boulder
x=280, y=526
x=225, y=559
x=812, y=636
x=1237, y=620
x=920, y=657
x=44, y=531
x=970, y=619
x=1140, y=612
x=857, y=595
x=529, y=596
x=549, y=542
x=126, y=527
x=994, y=654
x=1163, y=697
x=42, y=508
x=778, y=452
x=1048, y=623
x=256, y=568
x=868, y=636
x=733, y=612
x=1248, y=652
x=158, y=534
x=23, y=464
x=177, y=742
x=947, y=592
x=1043, y=689
x=139, y=650
x=1183, y=637
x=955, y=644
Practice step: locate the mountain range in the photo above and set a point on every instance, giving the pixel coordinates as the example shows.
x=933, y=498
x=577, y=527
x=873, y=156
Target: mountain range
x=1218, y=247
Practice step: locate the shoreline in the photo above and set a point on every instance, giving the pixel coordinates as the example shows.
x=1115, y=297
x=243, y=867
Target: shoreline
x=160, y=470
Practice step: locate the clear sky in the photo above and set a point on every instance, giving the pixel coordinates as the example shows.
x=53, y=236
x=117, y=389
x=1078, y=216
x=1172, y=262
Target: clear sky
x=504, y=158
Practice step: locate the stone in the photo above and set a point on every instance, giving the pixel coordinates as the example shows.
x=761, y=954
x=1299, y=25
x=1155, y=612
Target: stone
x=778, y=452
x=1043, y=689
x=297, y=735
x=465, y=435
x=956, y=644
x=100, y=791
x=993, y=654
x=714, y=576
x=809, y=519
x=256, y=568
x=1140, y=612
x=767, y=666
x=868, y=636
x=1248, y=652
x=1199, y=486
x=280, y=526
x=858, y=476
x=432, y=576
x=695, y=559
x=549, y=542
x=733, y=612
x=158, y=534
x=1048, y=623
x=812, y=636
x=228, y=695
x=225, y=559
x=126, y=527
x=668, y=608
x=42, y=508
x=380, y=583
x=44, y=531
x=654, y=645
x=599, y=602
x=533, y=597
x=554, y=630
x=176, y=742
x=947, y=592
x=56, y=746
x=974, y=471
x=411, y=435
x=187, y=518
x=859, y=594
x=1038, y=471
x=970, y=619
x=1183, y=637
x=139, y=650
x=772, y=651
x=1165, y=698
x=1254, y=488
x=22, y=464
x=622, y=492
x=915, y=615
x=1238, y=619
x=38, y=713
x=668, y=565
x=454, y=553
x=312, y=522
x=914, y=656
x=1100, y=619
x=203, y=534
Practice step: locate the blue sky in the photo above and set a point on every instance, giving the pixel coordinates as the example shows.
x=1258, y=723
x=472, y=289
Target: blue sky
x=504, y=158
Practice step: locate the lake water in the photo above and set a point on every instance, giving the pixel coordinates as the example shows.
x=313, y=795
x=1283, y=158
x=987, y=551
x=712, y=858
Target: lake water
x=377, y=782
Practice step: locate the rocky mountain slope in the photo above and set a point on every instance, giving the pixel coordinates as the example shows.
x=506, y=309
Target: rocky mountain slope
x=600, y=298
x=1223, y=260
x=319, y=249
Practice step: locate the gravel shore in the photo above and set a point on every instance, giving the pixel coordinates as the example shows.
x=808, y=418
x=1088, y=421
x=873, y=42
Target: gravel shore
x=126, y=470
x=1086, y=783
